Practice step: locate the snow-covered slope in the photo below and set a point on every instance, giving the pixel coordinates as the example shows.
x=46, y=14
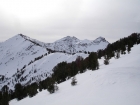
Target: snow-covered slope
x=17, y=52
x=115, y=84
x=19, y=61
x=73, y=45
x=27, y=60
x=39, y=70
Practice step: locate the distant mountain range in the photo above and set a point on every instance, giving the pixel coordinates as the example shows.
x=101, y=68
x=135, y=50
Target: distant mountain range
x=26, y=60
x=73, y=45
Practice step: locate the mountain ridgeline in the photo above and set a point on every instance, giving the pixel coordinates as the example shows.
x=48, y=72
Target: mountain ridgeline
x=25, y=60
x=64, y=70
x=73, y=45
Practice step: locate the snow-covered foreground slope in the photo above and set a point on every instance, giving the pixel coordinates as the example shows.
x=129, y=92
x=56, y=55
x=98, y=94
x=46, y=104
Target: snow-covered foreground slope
x=115, y=84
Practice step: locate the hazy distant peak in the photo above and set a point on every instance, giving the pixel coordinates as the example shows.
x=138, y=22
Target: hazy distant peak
x=99, y=39
x=68, y=38
x=72, y=44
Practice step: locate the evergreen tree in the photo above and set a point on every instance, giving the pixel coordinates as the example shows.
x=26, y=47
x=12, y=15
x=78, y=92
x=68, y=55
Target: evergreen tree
x=117, y=54
x=99, y=54
x=106, y=61
x=5, y=99
x=32, y=89
x=1, y=98
x=129, y=49
x=52, y=88
x=56, y=88
x=4, y=96
x=19, y=91
x=73, y=82
x=93, y=63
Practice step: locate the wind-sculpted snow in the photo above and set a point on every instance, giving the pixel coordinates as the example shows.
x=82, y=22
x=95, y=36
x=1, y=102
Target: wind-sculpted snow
x=115, y=84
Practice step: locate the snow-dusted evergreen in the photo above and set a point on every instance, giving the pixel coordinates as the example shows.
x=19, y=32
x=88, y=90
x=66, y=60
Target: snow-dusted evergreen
x=25, y=60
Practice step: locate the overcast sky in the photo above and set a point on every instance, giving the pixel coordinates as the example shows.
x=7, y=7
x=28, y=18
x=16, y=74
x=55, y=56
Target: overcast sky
x=49, y=20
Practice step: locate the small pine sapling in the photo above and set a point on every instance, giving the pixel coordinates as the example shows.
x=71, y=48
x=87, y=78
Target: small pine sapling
x=73, y=82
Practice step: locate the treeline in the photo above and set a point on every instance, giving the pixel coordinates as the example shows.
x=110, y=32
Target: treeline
x=61, y=73
x=64, y=70
x=120, y=46
x=20, y=92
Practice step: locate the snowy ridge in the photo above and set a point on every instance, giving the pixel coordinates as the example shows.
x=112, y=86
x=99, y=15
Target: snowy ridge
x=15, y=55
x=27, y=60
x=115, y=84
x=73, y=45
x=17, y=52
x=36, y=42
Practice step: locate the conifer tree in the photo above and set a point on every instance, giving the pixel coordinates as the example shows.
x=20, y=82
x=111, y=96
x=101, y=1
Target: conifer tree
x=52, y=88
x=19, y=91
x=0, y=98
x=32, y=89
x=93, y=63
x=73, y=82
x=129, y=49
x=106, y=61
x=117, y=54
x=5, y=96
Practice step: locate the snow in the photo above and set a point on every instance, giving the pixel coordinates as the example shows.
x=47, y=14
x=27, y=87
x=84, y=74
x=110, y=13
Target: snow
x=73, y=45
x=17, y=52
x=85, y=41
x=115, y=84
x=40, y=68
x=46, y=64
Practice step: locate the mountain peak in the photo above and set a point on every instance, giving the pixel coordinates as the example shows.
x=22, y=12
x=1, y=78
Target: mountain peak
x=68, y=39
x=71, y=44
x=100, y=39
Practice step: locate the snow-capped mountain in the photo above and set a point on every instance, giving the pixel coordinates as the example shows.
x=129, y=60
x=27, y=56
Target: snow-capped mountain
x=17, y=52
x=73, y=45
x=26, y=60
x=15, y=55
x=115, y=84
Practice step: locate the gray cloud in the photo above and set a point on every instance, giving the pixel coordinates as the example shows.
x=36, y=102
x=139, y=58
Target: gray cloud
x=84, y=19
